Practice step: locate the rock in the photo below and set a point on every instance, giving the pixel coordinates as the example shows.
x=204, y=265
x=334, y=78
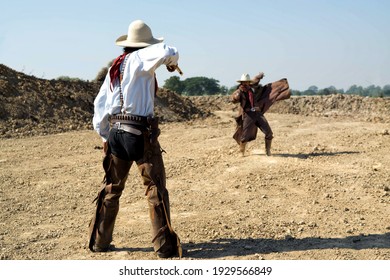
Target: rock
x=376, y=167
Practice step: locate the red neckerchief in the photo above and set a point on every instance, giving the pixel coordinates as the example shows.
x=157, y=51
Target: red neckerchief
x=115, y=68
x=115, y=71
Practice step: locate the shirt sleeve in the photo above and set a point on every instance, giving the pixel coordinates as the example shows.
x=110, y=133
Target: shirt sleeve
x=139, y=77
x=154, y=56
x=101, y=110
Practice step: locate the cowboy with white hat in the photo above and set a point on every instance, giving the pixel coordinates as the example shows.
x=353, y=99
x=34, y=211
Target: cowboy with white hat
x=255, y=100
x=139, y=35
x=250, y=117
x=124, y=119
x=245, y=78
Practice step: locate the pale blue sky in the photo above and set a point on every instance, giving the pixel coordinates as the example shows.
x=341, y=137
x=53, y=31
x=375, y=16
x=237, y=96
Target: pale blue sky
x=324, y=43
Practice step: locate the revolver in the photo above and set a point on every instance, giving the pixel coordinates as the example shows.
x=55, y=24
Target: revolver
x=176, y=67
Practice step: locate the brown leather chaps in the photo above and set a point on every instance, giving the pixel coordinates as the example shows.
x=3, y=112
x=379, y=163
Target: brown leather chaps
x=151, y=168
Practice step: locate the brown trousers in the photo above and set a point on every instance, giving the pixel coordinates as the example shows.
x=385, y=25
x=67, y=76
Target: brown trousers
x=252, y=121
x=151, y=168
x=247, y=125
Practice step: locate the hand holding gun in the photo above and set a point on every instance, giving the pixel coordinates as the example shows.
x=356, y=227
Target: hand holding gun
x=172, y=68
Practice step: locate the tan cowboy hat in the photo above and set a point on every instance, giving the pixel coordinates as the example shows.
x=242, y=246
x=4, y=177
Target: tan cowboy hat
x=138, y=35
x=245, y=78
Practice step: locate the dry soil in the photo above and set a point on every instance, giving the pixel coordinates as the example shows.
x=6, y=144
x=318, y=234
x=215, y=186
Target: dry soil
x=323, y=194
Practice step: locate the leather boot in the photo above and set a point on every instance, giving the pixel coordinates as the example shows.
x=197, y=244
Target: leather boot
x=152, y=172
x=268, y=147
x=242, y=148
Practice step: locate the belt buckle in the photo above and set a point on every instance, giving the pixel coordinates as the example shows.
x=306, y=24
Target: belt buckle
x=253, y=109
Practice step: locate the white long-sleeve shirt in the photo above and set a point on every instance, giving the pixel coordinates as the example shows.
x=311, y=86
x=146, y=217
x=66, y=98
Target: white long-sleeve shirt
x=138, y=86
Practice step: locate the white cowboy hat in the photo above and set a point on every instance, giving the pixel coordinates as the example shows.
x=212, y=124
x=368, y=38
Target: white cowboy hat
x=138, y=35
x=245, y=78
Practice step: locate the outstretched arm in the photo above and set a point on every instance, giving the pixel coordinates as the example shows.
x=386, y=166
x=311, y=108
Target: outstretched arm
x=257, y=78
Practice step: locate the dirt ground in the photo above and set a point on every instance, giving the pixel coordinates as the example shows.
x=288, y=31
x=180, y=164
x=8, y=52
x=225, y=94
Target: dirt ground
x=324, y=194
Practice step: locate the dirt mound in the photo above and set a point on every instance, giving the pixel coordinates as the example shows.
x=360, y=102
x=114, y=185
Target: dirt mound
x=172, y=107
x=31, y=106
x=335, y=106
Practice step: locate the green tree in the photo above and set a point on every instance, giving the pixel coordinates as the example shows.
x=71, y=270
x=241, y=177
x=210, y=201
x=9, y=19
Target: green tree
x=232, y=89
x=309, y=92
x=223, y=90
x=373, y=91
x=328, y=91
x=201, y=86
x=296, y=92
x=357, y=90
x=174, y=84
x=386, y=91
x=313, y=89
x=195, y=86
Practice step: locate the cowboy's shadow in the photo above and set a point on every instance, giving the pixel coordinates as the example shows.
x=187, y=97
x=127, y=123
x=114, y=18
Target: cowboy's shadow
x=315, y=154
x=228, y=247
x=132, y=250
